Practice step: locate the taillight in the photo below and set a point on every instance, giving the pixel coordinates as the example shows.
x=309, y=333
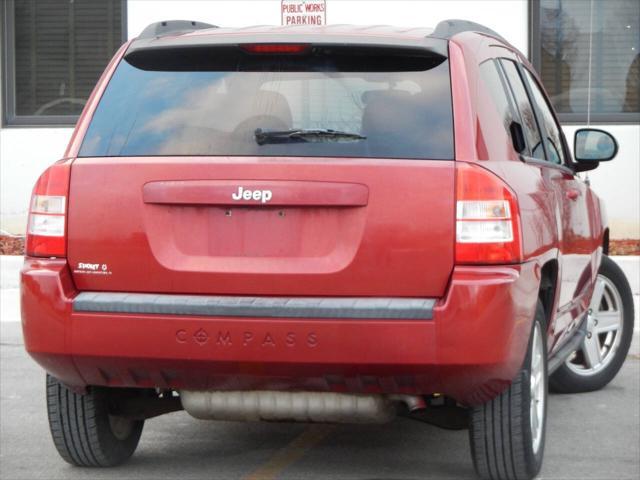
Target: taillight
x=487, y=218
x=46, y=230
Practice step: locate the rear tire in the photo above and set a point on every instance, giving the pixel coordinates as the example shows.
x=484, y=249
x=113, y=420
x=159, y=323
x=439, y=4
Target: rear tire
x=609, y=335
x=84, y=432
x=507, y=434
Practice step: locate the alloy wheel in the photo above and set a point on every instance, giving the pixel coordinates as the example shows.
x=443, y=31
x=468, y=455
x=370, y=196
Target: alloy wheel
x=604, y=330
x=537, y=386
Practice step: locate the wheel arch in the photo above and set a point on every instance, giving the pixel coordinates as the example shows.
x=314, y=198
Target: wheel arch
x=605, y=242
x=548, y=288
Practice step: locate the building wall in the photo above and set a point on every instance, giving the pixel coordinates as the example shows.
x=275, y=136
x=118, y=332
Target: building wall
x=26, y=152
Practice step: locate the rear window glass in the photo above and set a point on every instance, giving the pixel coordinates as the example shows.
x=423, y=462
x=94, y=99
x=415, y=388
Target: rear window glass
x=322, y=104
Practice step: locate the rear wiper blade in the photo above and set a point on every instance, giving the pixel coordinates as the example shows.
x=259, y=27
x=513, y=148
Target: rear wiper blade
x=301, y=135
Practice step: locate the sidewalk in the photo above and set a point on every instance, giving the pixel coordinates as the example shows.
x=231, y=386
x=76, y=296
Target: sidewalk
x=10, y=266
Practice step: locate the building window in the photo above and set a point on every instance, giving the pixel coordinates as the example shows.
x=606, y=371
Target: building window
x=54, y=52
x=587, y=54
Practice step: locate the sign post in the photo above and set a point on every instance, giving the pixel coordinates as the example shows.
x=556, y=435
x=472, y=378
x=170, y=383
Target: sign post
x=303, y=12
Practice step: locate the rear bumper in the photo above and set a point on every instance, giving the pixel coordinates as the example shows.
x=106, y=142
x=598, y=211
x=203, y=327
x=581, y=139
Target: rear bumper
x=470, y=349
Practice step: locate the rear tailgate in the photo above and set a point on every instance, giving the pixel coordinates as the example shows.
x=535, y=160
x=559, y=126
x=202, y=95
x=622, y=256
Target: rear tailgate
x=213, y=166
x=334, y=227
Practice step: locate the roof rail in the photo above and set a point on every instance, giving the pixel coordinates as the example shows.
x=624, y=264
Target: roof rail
x=173, y=27
x=448, y=28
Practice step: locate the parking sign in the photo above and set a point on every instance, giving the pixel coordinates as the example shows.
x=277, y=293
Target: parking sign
x=303, y=12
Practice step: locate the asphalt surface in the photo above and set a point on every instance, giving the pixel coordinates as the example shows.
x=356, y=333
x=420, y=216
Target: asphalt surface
x=590, y=436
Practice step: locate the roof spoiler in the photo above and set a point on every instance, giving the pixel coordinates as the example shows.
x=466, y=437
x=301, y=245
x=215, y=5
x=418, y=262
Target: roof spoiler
x=173, y=27
x=448, y=28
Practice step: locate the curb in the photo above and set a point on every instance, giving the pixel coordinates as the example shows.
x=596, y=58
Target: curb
x=630, y=265
x=10, y=266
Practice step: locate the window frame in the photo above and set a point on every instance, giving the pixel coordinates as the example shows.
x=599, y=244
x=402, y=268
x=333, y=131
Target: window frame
x=8, y=117
x=508, y=95
x=568, y=157
x=529, y=157
x=567, y=166
x=540, y=115
x=535, y=49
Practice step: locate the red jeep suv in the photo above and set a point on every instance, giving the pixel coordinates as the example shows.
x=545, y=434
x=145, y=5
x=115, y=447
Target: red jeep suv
x=323, y=224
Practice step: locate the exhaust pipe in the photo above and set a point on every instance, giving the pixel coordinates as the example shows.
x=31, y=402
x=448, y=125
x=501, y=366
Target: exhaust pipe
x=323, y=407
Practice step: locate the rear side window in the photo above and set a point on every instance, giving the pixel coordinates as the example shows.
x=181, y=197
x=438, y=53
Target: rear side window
x=527, y=115
x=493, y=81
x=214, y=102
x=551, y=130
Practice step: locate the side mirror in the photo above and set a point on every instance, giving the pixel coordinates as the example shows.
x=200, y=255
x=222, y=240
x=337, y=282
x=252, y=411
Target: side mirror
x=592, y=146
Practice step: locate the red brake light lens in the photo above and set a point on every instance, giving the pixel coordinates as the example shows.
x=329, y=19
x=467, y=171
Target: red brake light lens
x=277, y=48
x=487, y=218
x=46, y=230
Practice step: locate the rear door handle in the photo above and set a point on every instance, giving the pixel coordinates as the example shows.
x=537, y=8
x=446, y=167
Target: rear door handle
x=573, y=194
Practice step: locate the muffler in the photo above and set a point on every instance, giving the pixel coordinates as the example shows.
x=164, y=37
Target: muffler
x=324, y=407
